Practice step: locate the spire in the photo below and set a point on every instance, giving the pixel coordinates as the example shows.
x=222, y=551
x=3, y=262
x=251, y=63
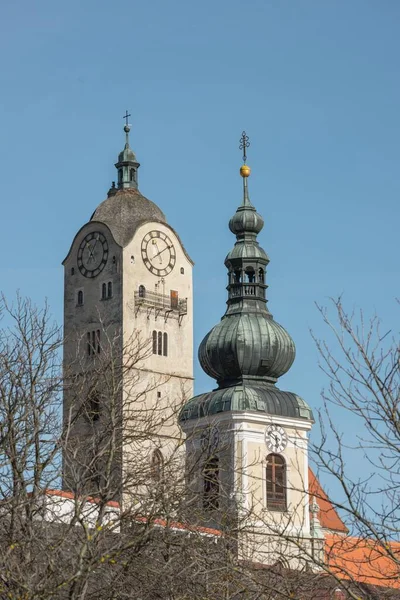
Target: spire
x=247, y=342
x=127, y=164
x=247, y=351
x=247, y=261
x=245, y=169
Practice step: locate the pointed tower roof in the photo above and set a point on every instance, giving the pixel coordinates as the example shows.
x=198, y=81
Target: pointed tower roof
x=248, y=350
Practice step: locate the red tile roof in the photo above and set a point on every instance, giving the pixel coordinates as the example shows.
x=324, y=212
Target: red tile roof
x=364, y=561
x=328, y=516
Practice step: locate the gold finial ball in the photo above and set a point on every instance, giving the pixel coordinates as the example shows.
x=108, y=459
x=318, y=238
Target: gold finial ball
x=245, y=170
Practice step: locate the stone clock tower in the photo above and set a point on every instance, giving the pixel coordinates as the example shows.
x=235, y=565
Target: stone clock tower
x=128, y=349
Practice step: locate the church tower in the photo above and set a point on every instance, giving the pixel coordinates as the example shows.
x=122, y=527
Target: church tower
x=246, y=442
x=128, y=348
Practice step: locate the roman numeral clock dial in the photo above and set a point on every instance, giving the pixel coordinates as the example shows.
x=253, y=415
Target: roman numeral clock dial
x=158, y=253
x=275, y=438
x=92, y=254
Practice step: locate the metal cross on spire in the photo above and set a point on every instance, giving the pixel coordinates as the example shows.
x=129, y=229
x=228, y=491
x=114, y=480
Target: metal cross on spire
x=244, y=143
x=126, y=115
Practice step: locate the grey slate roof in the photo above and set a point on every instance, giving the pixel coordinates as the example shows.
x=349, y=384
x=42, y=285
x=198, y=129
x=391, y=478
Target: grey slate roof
x=124, y=212
x=247, y=396
x=247, y=343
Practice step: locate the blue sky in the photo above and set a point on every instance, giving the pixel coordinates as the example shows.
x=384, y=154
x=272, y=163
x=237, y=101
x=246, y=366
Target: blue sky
x=316, y=86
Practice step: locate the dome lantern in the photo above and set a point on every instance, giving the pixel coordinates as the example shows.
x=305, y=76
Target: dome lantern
x=127, y=165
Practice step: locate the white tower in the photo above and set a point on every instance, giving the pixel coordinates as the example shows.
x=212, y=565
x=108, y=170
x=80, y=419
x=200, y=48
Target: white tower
x=128, y=350
x=247, y=446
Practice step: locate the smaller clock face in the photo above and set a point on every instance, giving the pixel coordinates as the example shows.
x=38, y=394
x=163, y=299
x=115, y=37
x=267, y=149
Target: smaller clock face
x=158, y=253
x=92, y=254
x=275, y=438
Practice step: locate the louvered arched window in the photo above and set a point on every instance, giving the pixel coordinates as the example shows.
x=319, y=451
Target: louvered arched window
x=276, y=482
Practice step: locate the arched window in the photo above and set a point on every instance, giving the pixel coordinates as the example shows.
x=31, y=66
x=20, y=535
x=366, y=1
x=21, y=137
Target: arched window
x=165, y=344
x=93, y=407
x=157, y=466
x=80, y=298
x=103, y=291
x=132, y=174
x=159, y=350
x=182, y=270
x=109, y=289
x=250, y=276
x=142, y=291
x=89, y=344
x=276, y=482
x=154, y=342
x=211, y=483
x=98, y=341
x=261, y=275
x=120, y=175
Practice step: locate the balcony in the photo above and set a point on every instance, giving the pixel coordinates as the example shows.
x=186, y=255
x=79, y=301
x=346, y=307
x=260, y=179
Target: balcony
x=245, y=290
x=163, y=305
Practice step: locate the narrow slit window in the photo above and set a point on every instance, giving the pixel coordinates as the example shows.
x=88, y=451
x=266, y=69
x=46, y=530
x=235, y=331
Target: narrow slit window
x=154, y=342
x=276, y=483
x=98, y=340
x=80, y=298
x=103, y=291
x=142, y=291
x=89, y=344
x=165, y=344
x=159, y=349
x=109, y=289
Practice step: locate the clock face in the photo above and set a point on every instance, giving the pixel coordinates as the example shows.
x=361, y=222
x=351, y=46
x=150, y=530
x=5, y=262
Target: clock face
x=158, y=253
x=92, y=254
x=275, y=438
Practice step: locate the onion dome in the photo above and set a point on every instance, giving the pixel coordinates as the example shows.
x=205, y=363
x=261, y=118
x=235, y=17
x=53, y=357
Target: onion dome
x=248, y=350
x=246, y=345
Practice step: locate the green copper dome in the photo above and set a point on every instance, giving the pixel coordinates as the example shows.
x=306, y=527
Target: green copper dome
x=246, y=344
x=248, y=350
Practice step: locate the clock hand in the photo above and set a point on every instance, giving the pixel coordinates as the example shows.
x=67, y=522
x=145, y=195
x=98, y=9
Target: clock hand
x=97, y=239
x=163, y=250
x=90, y=249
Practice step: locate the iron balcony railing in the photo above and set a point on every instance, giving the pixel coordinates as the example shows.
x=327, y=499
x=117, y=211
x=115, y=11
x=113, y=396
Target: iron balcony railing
x=161, y=302
x=245, y=289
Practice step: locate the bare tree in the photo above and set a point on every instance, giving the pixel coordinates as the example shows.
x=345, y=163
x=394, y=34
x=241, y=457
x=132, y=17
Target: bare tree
x=89, y=508
x=361, y=360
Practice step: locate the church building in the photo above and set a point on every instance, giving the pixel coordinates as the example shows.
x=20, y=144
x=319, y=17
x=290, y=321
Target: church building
x=241, y=448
